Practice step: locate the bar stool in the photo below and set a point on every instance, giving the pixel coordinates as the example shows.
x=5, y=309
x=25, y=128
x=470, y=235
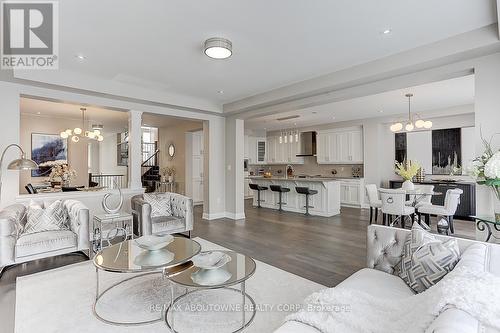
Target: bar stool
x=280, y=190
x=258, y=188
x=307, y=192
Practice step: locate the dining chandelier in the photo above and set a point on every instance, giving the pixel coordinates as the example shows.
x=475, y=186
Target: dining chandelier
x=78, y=133
x=410, y=124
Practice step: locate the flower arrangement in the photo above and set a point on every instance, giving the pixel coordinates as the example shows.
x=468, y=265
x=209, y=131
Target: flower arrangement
x=407, y=169
x=168, y=171
x=486, y=170
x=62, y=172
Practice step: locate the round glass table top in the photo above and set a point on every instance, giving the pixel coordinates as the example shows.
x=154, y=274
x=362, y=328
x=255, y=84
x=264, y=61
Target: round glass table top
x=128, y=257
x=237, y=270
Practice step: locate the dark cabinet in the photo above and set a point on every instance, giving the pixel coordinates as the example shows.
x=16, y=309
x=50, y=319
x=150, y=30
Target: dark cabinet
x=467, y=206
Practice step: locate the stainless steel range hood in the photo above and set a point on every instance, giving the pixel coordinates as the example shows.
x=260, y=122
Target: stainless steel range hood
x=307, y=144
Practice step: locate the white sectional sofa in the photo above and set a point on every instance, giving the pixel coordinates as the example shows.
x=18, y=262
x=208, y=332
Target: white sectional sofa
x=385, y=247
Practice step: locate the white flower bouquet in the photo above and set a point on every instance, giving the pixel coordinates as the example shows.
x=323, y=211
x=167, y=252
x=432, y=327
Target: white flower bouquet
x=486, y=170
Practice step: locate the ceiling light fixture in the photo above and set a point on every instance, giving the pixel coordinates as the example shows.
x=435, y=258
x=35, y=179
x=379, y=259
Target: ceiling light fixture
x=80, y=57
x=218, y=48
x=220, y=91
x=387, y=31
x=409, y=125
x=80, y=132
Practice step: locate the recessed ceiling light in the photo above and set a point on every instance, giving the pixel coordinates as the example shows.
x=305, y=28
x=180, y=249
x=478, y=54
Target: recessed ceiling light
x=80, y=57
x=220, y=91
x=38, y=112
x=218, y=48
x=387, y=31
x=380, y=111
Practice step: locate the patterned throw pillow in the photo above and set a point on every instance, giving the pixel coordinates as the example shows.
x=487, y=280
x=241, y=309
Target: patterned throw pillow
x=53, y=217
x=160, y=204
x=426, y=259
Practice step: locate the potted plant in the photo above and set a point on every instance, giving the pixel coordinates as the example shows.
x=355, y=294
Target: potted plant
x=486, y=170
x=407, y=170
x=168, y=172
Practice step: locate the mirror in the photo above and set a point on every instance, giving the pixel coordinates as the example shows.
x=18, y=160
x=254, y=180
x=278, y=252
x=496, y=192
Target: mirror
x=171, y=150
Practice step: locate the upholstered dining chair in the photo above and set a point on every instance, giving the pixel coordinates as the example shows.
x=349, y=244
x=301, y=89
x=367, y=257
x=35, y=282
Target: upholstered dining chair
x=451, y=202
x=422, y=199
x=393, y=204
x=374, y=200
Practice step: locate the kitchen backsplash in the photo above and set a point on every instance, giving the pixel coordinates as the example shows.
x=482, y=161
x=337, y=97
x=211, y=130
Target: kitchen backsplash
x=310, y=167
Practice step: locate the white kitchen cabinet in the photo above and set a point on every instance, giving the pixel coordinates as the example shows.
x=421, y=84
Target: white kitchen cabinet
x=283, y=153
x=256, y=150
x=340, y=146
x=352, y=192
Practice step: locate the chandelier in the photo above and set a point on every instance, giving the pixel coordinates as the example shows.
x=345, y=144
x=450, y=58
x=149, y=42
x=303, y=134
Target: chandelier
x=409, y=126
x=78, y=133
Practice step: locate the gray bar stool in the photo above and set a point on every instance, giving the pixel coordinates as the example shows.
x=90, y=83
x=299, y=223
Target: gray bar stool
x=307, y=192
x=280, y=190
x=258, y=188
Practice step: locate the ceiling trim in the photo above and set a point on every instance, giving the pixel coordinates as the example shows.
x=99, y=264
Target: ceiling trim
x=466, y=46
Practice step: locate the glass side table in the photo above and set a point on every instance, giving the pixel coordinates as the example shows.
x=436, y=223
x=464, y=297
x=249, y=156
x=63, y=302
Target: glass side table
x=485, y=223
x=120, y=225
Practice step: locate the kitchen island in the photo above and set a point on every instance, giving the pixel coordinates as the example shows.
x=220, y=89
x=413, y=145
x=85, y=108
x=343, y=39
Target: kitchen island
x=326, y=202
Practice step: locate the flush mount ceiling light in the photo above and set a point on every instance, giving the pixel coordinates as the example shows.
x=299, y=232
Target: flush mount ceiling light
x=218, y=48
x=409, y=125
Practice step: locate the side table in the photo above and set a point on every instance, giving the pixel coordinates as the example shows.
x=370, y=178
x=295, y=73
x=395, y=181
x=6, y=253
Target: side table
x=121, y=223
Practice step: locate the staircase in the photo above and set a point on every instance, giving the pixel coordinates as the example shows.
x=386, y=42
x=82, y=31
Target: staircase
x=150, y=178
x=150, y=168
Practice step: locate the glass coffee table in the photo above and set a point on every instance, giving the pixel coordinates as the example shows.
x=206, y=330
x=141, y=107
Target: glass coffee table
x=485, y=223
x=203, y=292
x=128, y=257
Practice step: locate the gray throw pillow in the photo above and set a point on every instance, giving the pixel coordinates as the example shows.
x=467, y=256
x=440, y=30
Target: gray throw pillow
x=160, y=204
x=53, y=217
x=426, y=259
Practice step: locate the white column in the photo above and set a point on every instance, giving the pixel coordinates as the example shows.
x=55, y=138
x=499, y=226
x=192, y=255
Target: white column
x=487, y=113
x=214, y=195
x=234, y=168
x=134, y=149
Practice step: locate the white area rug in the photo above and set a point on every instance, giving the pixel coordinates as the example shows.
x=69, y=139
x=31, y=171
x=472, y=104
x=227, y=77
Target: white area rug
x=60, y=300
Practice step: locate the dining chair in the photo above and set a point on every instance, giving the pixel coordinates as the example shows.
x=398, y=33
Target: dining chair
x=374, y=200
x=422, y=199
x=448, y=210
x=393, y=204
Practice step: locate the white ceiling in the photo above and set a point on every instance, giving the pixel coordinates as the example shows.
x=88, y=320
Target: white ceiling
x=428, y=99
x=158, y=44
x=113, y=121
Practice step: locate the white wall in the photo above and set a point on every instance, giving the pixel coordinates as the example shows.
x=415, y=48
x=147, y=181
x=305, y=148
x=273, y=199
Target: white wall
x=108, y=157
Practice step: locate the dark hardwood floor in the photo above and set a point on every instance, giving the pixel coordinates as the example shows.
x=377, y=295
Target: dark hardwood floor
x=324, y=250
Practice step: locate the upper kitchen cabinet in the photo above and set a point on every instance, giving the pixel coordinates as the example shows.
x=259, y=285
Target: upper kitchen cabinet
x=339, y=146
x=284, y=150
x=255, y=148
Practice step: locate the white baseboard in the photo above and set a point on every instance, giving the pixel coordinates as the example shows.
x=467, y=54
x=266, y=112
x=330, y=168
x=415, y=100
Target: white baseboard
x=222, y=215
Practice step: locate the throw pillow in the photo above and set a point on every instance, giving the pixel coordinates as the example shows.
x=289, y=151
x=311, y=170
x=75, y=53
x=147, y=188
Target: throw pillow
x=426, y=259
x=160, y=204
x=53, y=217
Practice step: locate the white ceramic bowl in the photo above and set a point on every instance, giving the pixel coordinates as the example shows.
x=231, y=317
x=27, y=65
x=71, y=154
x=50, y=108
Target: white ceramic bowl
x=154, y=242
x=210, y=277
x=211, y=259
x=153, y=258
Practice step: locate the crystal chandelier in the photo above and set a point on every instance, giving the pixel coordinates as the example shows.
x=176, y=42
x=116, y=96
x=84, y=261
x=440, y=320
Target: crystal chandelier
x=81, y=133
x=409, y=126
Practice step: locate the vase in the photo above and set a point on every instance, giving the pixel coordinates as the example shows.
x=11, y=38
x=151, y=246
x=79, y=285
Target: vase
x=496, y=202
x=408, y=185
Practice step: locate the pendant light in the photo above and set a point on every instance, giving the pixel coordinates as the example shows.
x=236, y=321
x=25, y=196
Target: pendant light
x=79, y=132
x=409, y=125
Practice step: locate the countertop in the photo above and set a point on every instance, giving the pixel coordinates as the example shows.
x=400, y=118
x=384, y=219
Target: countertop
x=299, y=179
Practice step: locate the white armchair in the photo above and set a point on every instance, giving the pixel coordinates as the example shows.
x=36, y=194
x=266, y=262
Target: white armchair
x=15, y=248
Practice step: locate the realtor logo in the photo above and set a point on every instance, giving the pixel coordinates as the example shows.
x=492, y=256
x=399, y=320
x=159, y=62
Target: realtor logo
x=29, y=35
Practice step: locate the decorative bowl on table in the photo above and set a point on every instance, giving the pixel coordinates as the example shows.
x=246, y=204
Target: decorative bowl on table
x=211, y=259
x=211, y=271
x=153, y=242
